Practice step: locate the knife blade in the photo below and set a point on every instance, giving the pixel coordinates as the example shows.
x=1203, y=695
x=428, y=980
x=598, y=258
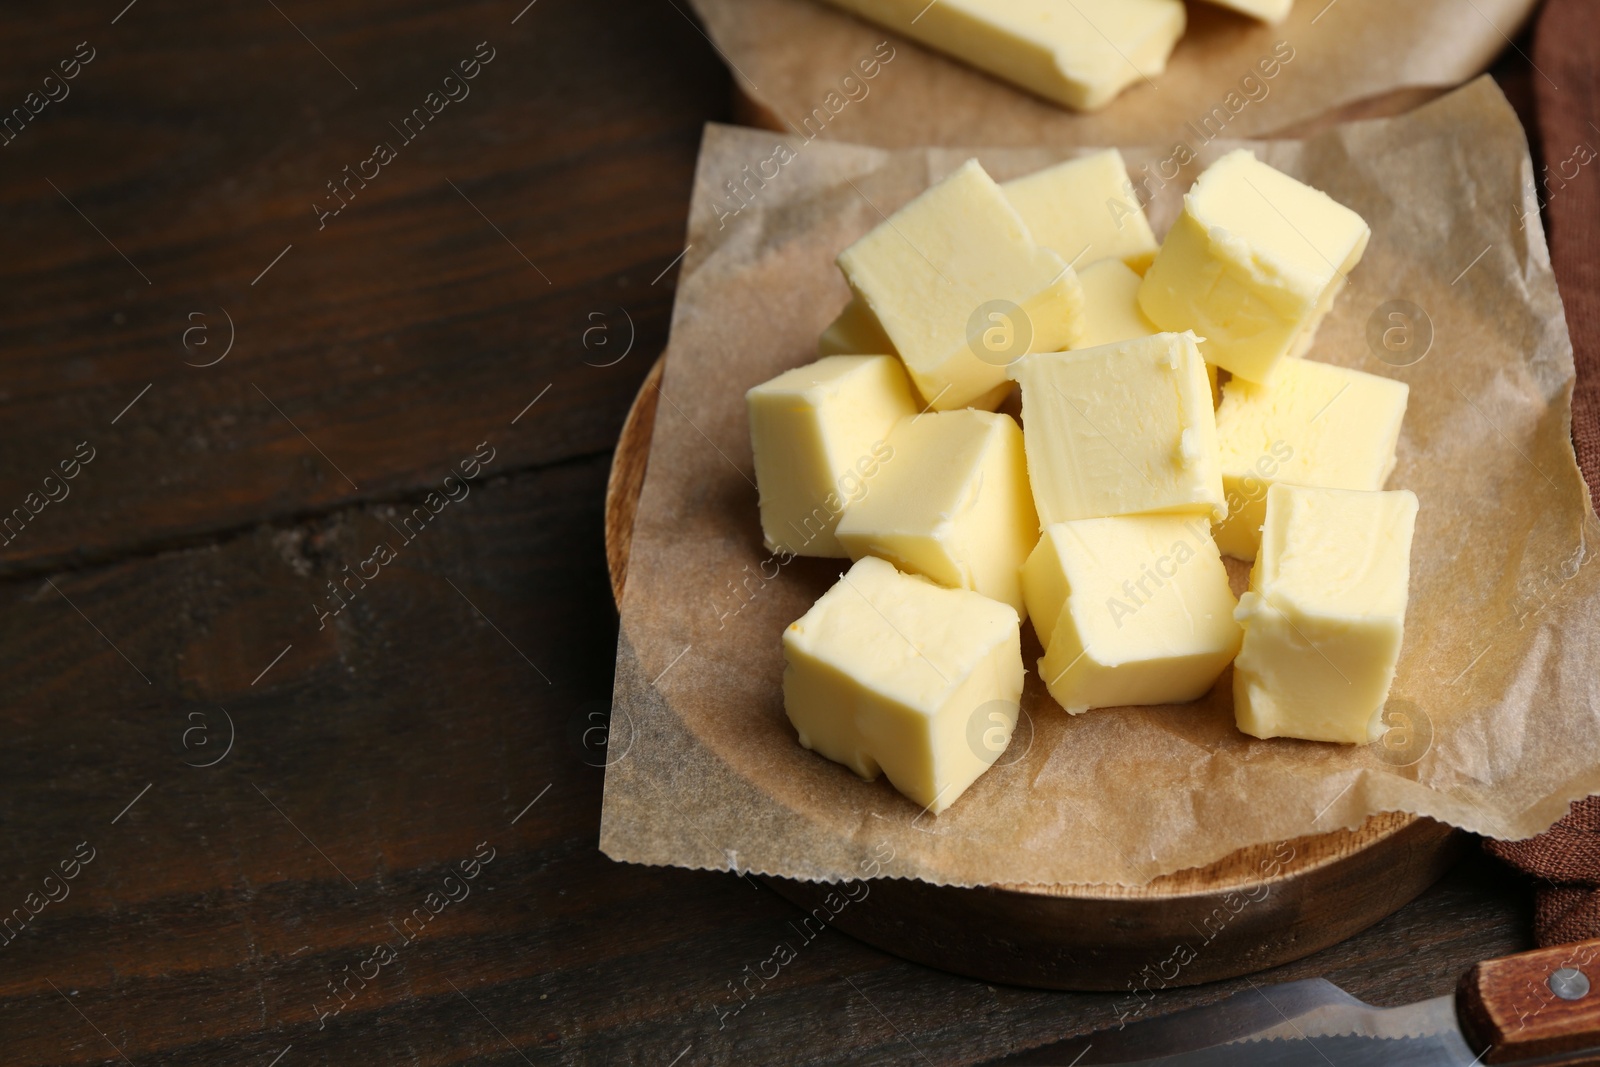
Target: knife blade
x=1299, y=1023
x=1526, y=1010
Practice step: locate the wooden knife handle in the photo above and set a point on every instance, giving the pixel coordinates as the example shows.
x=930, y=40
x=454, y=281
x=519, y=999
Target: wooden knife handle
x=1535, y=1005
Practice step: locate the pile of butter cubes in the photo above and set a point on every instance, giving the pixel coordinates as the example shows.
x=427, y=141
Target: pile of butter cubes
x=1104, y=516
x=1076, y=53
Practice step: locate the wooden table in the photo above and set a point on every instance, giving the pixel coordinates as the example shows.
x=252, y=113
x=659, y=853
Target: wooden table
x=303, y=835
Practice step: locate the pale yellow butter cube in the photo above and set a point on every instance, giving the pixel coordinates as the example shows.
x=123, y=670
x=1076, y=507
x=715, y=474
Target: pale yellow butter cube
x=1111, y=311
x=1123, y=429
x=1143, y=612
x=889, y=671
x=1086, y=210
x=1313, y=424
x=950, y=502
x=1273, y=11
x=1077, y=53
x=820, y=437
x=855, y=332
x=1044, y=581
x=1253, y=263
x=1325, y=615
x=960, y=289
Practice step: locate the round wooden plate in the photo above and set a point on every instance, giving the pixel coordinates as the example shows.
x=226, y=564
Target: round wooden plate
x=1255, y=909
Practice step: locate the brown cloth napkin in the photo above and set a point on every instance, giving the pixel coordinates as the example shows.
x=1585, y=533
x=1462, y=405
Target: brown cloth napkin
x=1567, y=857
x=1566, y=60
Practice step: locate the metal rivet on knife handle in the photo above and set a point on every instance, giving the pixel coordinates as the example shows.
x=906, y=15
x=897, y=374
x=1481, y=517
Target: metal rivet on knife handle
x=1569, y=983
x=1533, y=1005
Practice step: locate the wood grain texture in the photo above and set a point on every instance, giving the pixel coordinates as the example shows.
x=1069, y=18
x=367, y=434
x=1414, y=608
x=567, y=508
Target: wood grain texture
x=453, y=289
x=385, y=747
x=628, y=465
x=1157, y=937
x=1510, y=1006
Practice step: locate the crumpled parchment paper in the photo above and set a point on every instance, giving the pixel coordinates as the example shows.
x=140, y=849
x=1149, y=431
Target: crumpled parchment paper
x=1497, y=684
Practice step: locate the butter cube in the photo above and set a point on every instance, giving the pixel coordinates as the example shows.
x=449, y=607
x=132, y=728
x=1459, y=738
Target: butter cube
x=961, y=289
x=1111, y=309
x=855, y=332
x=1142, y=611
x=1123, y=429
x=1314, y=424
x=890, y=672
x=1079, y=54
x=1044, y=580
x=1325, y=614
x=820, y=437
x=1085, y=210
x=950, y=502
x=1253, y=263
x=1273, y=11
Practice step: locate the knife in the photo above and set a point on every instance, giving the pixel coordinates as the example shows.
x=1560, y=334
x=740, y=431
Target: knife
x=1537, y=1009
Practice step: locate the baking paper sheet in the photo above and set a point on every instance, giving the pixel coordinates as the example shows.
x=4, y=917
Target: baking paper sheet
x=1497, y=679
x=791, y=60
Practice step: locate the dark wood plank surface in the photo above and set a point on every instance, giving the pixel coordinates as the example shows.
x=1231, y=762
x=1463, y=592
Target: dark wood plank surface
x=198, y=141
x=173, y=600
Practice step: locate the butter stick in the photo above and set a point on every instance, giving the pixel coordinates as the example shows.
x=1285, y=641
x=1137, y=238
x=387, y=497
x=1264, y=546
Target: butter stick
x=1270, y=11
x=1078, y=53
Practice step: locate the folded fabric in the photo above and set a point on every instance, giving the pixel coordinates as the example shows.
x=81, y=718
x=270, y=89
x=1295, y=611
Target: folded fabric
x=1566, y=58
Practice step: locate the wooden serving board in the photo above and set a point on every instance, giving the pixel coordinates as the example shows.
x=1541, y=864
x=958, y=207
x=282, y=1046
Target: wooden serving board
x=1255, y=909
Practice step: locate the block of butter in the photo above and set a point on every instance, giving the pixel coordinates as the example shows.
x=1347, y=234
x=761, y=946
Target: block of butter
x=1325, y=614
x=855, y=332
x=961, y=289
x=1085, y=210
x=1141, y=607
x=1111, y=310
x=1313, y=424
x=820, y=434
x=1253, y=263
x=890, y=672
x=1123, y=429
x=1273, y=11
x=952, y=503
x=1077, y=53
